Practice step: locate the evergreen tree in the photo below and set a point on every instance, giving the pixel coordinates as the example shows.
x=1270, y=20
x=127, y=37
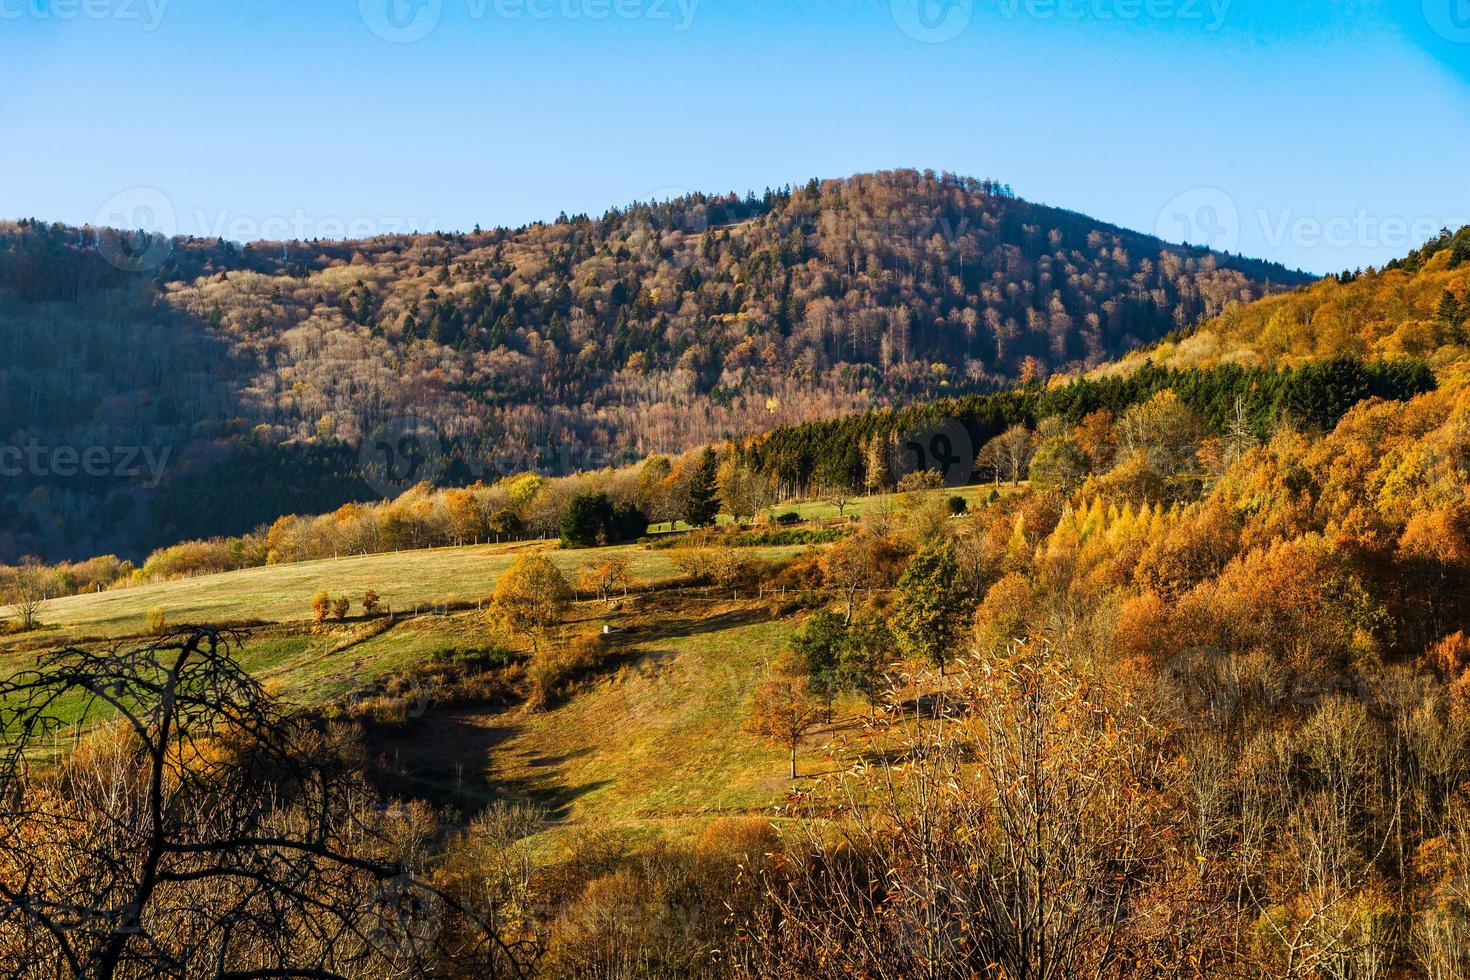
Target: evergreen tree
x=592, y=519
x=702, y=503
x=821, y=645
x=933, y=606
x=587, y=520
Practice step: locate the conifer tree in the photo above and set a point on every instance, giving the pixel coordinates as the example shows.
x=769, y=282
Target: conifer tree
x=702, y=504
x=933, y=607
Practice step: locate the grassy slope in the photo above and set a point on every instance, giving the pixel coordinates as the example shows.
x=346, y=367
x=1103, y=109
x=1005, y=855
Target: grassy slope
x=282, y=593
x=653, y=747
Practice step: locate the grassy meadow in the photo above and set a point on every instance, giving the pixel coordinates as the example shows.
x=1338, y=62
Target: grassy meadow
x=653, y=747
x=651, y=744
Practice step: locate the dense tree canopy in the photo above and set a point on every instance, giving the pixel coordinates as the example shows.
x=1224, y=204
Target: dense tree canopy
x=558, y=346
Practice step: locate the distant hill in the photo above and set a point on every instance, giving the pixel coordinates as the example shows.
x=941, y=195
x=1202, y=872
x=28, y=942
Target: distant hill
x=1416, y=307
x=252, y=374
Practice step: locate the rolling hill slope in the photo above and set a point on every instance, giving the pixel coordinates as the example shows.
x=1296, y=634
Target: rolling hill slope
x=559, y=346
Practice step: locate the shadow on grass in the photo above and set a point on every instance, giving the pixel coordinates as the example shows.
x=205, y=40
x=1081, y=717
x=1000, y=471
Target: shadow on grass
x=444, y=758
x=451, y=755
x=672, y=628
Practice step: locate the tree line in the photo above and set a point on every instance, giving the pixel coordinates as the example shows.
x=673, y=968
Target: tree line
x=847, y=451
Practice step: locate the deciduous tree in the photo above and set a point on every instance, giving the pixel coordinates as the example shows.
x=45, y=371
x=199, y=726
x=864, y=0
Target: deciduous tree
x=784, y=710
x=530, y=600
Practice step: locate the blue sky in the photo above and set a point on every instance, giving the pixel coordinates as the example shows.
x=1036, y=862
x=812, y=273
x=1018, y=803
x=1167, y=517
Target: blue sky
x=1325, y=134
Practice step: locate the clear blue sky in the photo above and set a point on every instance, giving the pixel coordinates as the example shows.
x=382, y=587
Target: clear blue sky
x=1322, y=133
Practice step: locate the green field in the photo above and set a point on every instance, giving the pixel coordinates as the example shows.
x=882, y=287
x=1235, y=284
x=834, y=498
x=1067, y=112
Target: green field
x=651, y=744
x=282, y=593
x=821, y=510
x=652, y=747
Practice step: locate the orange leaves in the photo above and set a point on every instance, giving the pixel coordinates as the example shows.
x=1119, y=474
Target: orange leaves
x=1450, y=656
x=1142, y=628
x=785, y=708
x=1441, y=535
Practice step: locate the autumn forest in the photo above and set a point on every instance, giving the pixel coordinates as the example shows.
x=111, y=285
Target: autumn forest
x=883, y=577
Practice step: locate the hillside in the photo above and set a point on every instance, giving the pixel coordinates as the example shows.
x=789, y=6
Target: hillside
x=682, y=672
x=1418, y=307
x=558, y=346
x=1205, y=651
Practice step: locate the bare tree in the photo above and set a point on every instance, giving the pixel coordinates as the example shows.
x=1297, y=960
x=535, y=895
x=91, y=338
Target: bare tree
x=194, y=830
x=1240, y=434
x=836, y=493
x=850, y=567
x=1008, y=454
x=1025, y=834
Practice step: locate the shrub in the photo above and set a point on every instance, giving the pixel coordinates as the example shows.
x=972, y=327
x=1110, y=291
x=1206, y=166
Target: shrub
x=321, y=607
x=341, y=607
x=157, y=620
x=550, y=671
x=715, y=565
x=958, y=505
x=779, y=539
x=477, y=658
x=370, y=602
x=697, y=563
x=381, y=709
x=789, y=518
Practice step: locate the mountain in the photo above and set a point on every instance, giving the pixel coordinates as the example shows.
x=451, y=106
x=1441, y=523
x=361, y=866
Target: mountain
x=157, y=390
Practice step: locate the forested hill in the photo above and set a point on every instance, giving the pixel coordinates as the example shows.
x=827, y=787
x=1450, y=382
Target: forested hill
x=556, y=346
x=1416, y=307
